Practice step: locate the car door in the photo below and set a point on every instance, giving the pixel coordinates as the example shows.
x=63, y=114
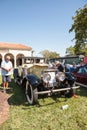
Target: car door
x=82, y=75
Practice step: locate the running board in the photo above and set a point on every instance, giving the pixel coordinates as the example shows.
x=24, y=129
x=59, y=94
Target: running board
x=83, y=85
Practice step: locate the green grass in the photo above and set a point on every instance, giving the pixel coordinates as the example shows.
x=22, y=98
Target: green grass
x=48, y=114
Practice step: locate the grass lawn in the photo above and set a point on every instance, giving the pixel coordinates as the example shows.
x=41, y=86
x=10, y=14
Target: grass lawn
x=48, y=114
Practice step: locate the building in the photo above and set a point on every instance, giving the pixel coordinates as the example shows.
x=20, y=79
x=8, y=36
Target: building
x=15, y=51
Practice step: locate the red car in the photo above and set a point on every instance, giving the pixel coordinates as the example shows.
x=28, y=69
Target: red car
x=81, y=74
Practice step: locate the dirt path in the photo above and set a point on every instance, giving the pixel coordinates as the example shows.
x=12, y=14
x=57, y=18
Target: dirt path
x=4, y=107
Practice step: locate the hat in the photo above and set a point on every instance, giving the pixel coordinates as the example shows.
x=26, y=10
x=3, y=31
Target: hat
x=57, y=62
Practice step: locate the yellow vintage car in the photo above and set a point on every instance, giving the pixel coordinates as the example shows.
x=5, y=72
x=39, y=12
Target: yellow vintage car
x=38, y=79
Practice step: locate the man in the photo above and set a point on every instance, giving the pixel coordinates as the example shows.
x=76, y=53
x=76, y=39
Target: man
x=63, y=78
x=6, y=67
x=59, y=66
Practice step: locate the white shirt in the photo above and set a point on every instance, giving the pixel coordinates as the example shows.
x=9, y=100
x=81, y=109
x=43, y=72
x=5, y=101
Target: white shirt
x=7, y=65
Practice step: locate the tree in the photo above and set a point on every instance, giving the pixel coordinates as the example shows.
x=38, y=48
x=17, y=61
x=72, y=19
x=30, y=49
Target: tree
x=49, y=54
x=80, y=28
x=70, y=50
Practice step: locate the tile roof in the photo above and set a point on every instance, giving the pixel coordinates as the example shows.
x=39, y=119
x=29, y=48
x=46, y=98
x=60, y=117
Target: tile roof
x=14, y=46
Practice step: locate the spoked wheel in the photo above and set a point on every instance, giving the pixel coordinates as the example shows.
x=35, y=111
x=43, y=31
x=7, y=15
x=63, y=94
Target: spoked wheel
x=32, y=98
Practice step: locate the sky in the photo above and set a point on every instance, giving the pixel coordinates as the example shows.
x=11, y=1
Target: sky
x=40, y=24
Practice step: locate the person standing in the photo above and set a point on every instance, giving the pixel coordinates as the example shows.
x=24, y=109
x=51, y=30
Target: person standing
x=59, y=66
x=6, y=67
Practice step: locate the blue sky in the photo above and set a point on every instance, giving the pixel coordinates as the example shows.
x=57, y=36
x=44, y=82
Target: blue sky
x=40, y=24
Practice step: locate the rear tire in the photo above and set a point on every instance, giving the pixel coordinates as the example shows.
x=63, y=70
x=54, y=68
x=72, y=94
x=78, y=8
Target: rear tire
x=32, y=98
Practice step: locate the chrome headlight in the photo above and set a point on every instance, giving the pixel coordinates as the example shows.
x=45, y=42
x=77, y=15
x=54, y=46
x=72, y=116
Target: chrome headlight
x=60, y=76
x=46, y=77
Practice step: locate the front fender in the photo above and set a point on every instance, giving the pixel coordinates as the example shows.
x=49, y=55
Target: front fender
x=33, y=79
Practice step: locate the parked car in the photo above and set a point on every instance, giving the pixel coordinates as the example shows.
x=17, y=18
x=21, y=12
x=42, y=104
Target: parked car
x=81, y=74
x=39, y=79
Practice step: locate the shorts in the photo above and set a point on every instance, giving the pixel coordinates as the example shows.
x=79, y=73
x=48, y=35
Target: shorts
x=6, y=78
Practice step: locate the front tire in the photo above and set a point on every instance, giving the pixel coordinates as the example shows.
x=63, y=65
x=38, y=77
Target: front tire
x=32, y=98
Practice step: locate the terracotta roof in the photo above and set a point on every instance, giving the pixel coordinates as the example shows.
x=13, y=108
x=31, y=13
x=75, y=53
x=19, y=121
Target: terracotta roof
x=14, y=46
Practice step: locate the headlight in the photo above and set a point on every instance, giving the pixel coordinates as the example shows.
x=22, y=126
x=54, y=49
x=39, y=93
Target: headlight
x=46, y=77
x=60, y=76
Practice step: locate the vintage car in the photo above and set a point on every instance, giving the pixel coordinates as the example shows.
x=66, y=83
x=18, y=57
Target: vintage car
x=81, y=75
x=38, y=79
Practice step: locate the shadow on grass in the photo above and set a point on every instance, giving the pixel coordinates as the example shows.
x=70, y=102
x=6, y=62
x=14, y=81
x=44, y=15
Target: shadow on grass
x=17, y=96
x=55, y=99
